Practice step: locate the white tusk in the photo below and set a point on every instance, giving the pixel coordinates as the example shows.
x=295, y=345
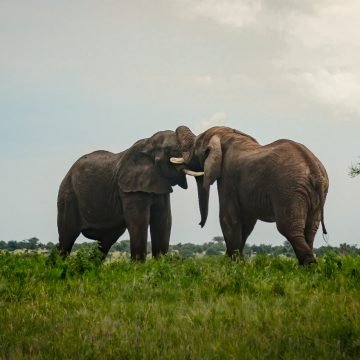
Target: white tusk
x=175, y=160
x=193, y=173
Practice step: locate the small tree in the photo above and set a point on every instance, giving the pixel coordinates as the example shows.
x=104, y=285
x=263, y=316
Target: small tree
x=33, y=243
x=354, y=170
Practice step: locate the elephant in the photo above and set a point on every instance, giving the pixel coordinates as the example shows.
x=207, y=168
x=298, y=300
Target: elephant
x=282, y=182
x=103, y=194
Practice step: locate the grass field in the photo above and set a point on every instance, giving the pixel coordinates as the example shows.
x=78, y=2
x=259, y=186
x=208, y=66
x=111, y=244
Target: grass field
x=173, y=308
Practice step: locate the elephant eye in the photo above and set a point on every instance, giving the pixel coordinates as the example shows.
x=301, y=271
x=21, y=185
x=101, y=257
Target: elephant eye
x=206, y=154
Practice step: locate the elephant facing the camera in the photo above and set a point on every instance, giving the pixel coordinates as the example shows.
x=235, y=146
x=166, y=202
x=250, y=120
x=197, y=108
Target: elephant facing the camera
x=281, y=182
x=103, y=194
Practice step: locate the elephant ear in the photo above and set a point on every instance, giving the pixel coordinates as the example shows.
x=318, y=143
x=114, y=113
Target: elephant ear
x=212, y=165
x=136, y=171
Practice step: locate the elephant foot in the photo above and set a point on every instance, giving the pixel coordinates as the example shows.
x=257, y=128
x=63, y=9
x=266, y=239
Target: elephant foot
x=235, y=255
x=307, y=260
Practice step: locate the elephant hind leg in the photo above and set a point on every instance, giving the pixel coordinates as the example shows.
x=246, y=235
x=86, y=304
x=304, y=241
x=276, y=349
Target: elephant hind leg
x=68, y=222
x=293, y=228
x=108, y=239
x=234, y=229
x=247, y=227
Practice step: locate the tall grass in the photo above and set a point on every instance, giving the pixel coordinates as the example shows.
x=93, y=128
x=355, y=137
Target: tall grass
x=174, y=308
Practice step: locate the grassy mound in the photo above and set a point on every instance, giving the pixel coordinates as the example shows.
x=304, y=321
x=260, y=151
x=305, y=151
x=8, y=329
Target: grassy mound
x=174, y=308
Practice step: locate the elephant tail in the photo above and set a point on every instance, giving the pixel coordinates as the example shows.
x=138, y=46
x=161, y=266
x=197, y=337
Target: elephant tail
x=322, y=222
x=321, y=188
x=323, y=192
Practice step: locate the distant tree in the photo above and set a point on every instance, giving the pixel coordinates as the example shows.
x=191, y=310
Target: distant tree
x=49, y=246
x=247, y=250
x=212, y=251
x=84, y=245
x=287, y=249
x=12, y=245
x=346, y=249
x=123, y=246
x=322, y=250
x=214, y=247
x=218, y=239
x=262, y=249
x=33, y=243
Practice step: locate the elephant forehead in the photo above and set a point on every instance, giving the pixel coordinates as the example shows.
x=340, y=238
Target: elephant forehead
x=160, y=135
x=172, y=143
x=164, y=136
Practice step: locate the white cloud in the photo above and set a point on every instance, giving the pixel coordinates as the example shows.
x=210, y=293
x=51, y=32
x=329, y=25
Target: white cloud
x=216, y=119
x=339, y=89
x=204, y=80
x=330, y=24
x=322, y=59
x=315, y=49
x=236, y=14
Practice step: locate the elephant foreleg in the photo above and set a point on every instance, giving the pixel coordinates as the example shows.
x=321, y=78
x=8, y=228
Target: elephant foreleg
x=232, y=229
x=160, y=225
x=136, y=207
x=68, y=224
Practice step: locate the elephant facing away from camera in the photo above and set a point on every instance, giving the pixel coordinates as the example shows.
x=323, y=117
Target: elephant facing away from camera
x=282, y=182
x=103, y=194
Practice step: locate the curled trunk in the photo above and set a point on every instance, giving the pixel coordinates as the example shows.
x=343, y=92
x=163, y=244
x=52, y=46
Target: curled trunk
x=187, y=139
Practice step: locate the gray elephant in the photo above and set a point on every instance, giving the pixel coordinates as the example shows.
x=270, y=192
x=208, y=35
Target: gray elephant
x=103, y=194
x=281, y=182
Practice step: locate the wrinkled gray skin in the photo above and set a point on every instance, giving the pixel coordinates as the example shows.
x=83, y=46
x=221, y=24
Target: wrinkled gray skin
x=281, y=182
x=103, y=194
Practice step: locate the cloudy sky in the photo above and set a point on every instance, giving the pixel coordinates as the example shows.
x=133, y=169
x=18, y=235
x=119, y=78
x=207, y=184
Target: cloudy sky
x=76, y=76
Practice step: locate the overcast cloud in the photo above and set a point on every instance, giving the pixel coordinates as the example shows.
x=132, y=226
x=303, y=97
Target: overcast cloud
x=76, y=76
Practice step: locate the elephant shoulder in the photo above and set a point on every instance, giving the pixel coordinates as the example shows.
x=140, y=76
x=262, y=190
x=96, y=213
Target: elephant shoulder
x=95, y=166
x=95, y=159
x=96, y=156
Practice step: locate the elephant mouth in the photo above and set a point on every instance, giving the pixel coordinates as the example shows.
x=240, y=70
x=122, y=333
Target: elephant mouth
x=181, y=161
x=179, y=178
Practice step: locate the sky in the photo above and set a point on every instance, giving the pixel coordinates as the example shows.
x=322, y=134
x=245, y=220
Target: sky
x=78, y=76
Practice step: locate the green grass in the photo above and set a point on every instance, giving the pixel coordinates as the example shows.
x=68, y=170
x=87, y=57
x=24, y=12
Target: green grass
x=197, y=308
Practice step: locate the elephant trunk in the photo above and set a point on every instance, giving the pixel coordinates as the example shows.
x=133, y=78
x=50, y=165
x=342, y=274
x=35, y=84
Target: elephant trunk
x=203, y=196
x=187, y=139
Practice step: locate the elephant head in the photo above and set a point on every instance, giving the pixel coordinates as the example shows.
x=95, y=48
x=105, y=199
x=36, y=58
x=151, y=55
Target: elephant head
x=146, y=166
x=203, y=156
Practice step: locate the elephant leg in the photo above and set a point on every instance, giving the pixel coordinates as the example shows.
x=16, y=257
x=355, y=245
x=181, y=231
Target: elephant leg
x=247, y=228
x=232, y=229
x=136, y=207
x=237, y=234
x=293, y=228
x=160, y=225
x=108, y=239
x=311, y=227
x=68, y=223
